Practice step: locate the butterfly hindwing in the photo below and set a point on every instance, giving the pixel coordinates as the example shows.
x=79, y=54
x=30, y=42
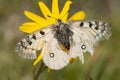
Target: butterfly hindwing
x=53, y=56
x=28, y=46
x=80, y=44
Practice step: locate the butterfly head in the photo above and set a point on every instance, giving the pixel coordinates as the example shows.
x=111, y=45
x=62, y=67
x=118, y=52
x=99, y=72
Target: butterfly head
x=59, y=20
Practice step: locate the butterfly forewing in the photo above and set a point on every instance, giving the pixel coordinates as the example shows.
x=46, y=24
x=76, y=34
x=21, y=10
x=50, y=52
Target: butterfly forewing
x=28, y=46
x=98, y=29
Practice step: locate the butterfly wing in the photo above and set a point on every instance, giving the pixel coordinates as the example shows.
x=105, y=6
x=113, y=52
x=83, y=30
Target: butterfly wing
x=98, y=29
x=87, y=34
x=28, y=46
x=53, y=56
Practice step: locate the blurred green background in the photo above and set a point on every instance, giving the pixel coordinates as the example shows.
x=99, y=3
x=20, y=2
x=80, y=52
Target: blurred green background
x=103, y=65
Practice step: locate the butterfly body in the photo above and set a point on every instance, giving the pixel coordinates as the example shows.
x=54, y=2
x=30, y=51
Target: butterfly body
x=76, y=36
x=63, y=34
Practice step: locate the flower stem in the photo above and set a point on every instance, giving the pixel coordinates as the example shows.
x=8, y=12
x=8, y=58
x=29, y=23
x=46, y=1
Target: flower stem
x=39, y=70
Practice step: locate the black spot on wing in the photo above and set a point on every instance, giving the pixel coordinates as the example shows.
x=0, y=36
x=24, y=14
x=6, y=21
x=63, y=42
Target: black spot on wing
x=42, y=32
x=33, y=36
x=90, y=24
x=97, y=22
x=29, y=42
x=27, y=37
x=96, y=27
x=81, y=24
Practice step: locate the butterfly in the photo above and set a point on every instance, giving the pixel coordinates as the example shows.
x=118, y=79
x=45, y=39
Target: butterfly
x=62, y=41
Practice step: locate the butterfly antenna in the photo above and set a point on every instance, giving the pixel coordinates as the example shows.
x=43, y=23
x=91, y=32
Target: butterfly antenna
x=59, y=20
x=51, y=17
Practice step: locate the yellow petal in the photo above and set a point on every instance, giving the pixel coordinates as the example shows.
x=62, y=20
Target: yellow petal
x=78, y=16
x=36, y=18
x=64, y=19
x=38, y=59
x=30, y=27
x=55, y=9
x=44, y=10
x=65, y=10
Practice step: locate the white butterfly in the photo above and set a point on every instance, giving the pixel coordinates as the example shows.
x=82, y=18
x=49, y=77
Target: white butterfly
x=75, y=36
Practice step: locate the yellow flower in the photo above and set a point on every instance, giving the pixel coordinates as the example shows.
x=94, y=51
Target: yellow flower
x=40, y=22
